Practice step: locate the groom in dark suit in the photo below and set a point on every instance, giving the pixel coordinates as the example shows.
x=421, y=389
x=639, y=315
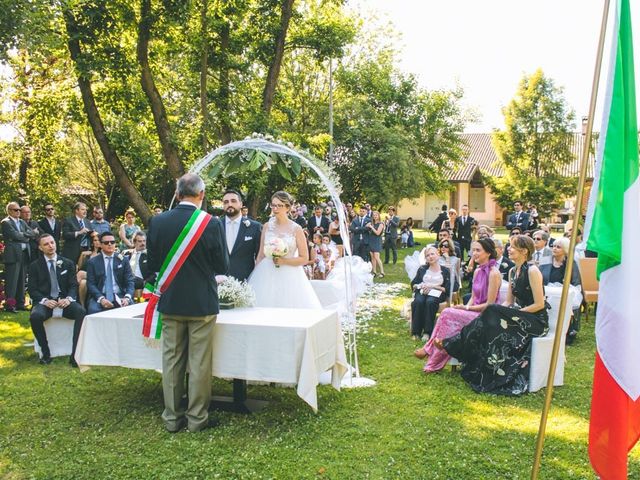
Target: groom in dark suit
x=242, y=236
x=53, y=284
x=189, y=308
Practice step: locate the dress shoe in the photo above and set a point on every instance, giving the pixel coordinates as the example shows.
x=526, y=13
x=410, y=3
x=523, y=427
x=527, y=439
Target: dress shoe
x=73, y=362
x=211, y=423
x=46, y=360
x=178, y=427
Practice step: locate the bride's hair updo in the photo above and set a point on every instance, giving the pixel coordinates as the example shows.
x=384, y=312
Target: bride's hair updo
x=284, y=197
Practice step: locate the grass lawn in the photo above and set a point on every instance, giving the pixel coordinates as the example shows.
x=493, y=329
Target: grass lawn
x=57, y=423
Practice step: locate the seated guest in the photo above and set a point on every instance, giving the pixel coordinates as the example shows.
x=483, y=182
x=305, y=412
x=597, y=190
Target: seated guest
x=138, y=260
x=485, y=290
x=448, y=259
x=109, y=278
x=554, y=273
x=410, y=240
x=545, y=228
x=504, y=262
x=53, y=284
x=445, y=235
x=82, y=266
x=484, y=231
x=431, y=286
x=496, y=346
x=542, y=254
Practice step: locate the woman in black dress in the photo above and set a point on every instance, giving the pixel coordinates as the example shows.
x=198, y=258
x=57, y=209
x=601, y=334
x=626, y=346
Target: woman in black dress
x=375, y=242
x=496, y=347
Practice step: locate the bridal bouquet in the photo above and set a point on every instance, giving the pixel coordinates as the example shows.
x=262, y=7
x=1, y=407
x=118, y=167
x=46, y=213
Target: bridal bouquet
x=232, y=291
x=276, y=247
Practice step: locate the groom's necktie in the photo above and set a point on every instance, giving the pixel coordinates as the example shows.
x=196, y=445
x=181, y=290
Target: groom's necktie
x=54, y=292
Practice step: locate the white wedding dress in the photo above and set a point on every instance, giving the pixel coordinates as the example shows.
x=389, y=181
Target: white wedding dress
x=285, y=286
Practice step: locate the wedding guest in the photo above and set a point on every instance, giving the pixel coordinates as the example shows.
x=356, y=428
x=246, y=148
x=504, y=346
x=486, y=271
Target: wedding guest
x=244, y=211
x=464, y=227
x=99, y=224
x=318, y=223
x=436, y=225
x=484, y=231
x=376, y=229
x=189, y=307
x=16, y=234
x=360, y=235
x=25, y=214
x=157, y=210
x=545, y=228
x=296, y=216
x=518, y=218
x=450, y=223
x=110, y=282
x=75, y=230
x=444, y=235
x=410, y=241
x=391, y=224
x=329, y=252
x=334, y=233
x=554, y=272
x=404, y=235
x=242, y=236
x=319, y=267
x=138, y=260
x=431, y=287
x=49, y=224
x=496, y=346
x=504, y=262
x=533, y=216
x=485, y=290
x=128, y=229
x=53, y=284
x=448, y=259
x=85, y=256
x=542, y=254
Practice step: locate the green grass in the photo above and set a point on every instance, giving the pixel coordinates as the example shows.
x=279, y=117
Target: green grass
x=56, y=423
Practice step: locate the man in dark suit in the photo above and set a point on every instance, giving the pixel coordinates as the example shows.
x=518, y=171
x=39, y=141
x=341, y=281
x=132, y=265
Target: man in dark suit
x=519, y=218
x=297, y=217
x=53, y=285
x=360, y=234
x=25, y=214
x=189, y=307
x=318, y=223
x=49, y=224
x=75, y=230
x=16, y=234
x=137, y=258
x=242, y=236
x=109, y=278
x=391, y=224
x=463, y=228
x=436, y=225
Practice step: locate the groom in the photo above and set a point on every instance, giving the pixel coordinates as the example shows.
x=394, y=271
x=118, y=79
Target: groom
x=242, y=235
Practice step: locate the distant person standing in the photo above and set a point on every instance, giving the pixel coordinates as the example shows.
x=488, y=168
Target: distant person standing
x=128, y=229
x=464, y=227
x=50, y=224
x=436, y=225
x=75, y=230
x=25, y=214
x=189, y=304
x=391, y=224
x=99, y=224
x=360, y=234
x=518, y=219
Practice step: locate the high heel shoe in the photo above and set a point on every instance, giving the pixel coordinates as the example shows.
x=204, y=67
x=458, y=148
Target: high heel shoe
x=420, y=353
x=381, y=275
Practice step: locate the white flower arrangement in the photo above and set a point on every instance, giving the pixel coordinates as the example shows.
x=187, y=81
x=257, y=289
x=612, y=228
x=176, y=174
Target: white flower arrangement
x=233, y=291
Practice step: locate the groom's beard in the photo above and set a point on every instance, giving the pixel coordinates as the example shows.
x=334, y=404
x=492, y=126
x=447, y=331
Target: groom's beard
x=232, y=212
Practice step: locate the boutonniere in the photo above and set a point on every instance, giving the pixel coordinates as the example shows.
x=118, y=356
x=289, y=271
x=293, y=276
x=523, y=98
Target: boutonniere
x=59, y=263
x=504, y=264
x=120, y=257
x=246, y=223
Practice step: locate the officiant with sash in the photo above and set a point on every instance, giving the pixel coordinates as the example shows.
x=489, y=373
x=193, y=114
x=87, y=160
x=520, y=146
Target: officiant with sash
x=186, y=297
x=242, y=236
x=53, y=289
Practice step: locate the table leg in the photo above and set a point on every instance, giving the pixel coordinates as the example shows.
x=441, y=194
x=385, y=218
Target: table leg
x=239, y=403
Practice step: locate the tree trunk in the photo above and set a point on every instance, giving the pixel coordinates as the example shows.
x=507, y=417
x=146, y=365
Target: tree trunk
x=278, y=55
x=223, y=99
x=204, y=66
x=169, y=150
x=95, y=121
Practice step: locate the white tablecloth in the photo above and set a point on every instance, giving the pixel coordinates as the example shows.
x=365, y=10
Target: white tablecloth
x=263, y=344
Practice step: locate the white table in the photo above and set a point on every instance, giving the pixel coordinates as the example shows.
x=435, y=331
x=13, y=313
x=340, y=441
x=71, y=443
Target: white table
x=280, y=345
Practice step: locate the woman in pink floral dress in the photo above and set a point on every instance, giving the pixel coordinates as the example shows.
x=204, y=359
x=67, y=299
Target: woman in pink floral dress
x=486, y=285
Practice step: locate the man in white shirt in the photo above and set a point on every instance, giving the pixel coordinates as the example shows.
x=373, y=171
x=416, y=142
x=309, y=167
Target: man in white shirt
x=138, y=259
x=242, y=236
x=542, y=254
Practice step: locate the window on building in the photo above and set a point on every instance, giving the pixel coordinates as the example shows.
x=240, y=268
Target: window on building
x=476, y=199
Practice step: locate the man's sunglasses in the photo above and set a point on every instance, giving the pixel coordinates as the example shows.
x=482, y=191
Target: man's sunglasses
x=108, y=242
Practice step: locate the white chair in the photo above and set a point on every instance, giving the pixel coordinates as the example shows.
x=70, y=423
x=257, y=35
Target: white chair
x=542, y=347
x=59, y=336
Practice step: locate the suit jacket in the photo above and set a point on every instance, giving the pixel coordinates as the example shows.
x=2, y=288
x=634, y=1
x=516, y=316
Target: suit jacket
x=71, y=248
x=193, y=291
x=14, y=238
x=359, y=229
x=463, y=232
x=521, y=222
x=446, y=279
x=311, y=224
x=96, y=276
x=546, y=256
x=40, y=284
x=391, y=228
x=436, y=225
x=242, y=259
x=504, y=265
x=142, y=262
x=55, y=232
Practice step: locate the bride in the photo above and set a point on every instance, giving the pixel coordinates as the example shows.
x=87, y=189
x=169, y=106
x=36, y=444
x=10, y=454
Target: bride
x=281, y=281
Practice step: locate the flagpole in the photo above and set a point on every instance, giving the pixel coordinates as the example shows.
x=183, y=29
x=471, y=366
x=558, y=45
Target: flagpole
x=574, y=232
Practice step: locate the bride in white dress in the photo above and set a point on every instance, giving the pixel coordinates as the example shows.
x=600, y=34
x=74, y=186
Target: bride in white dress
x=281, y=281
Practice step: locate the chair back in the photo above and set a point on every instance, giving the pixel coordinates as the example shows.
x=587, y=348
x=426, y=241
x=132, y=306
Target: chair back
x=588, y=274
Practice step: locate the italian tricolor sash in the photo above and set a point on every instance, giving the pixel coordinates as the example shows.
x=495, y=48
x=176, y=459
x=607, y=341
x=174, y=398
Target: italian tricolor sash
x=189, y=236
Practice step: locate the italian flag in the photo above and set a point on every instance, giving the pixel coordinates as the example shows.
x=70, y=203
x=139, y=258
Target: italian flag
x=613, y=230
